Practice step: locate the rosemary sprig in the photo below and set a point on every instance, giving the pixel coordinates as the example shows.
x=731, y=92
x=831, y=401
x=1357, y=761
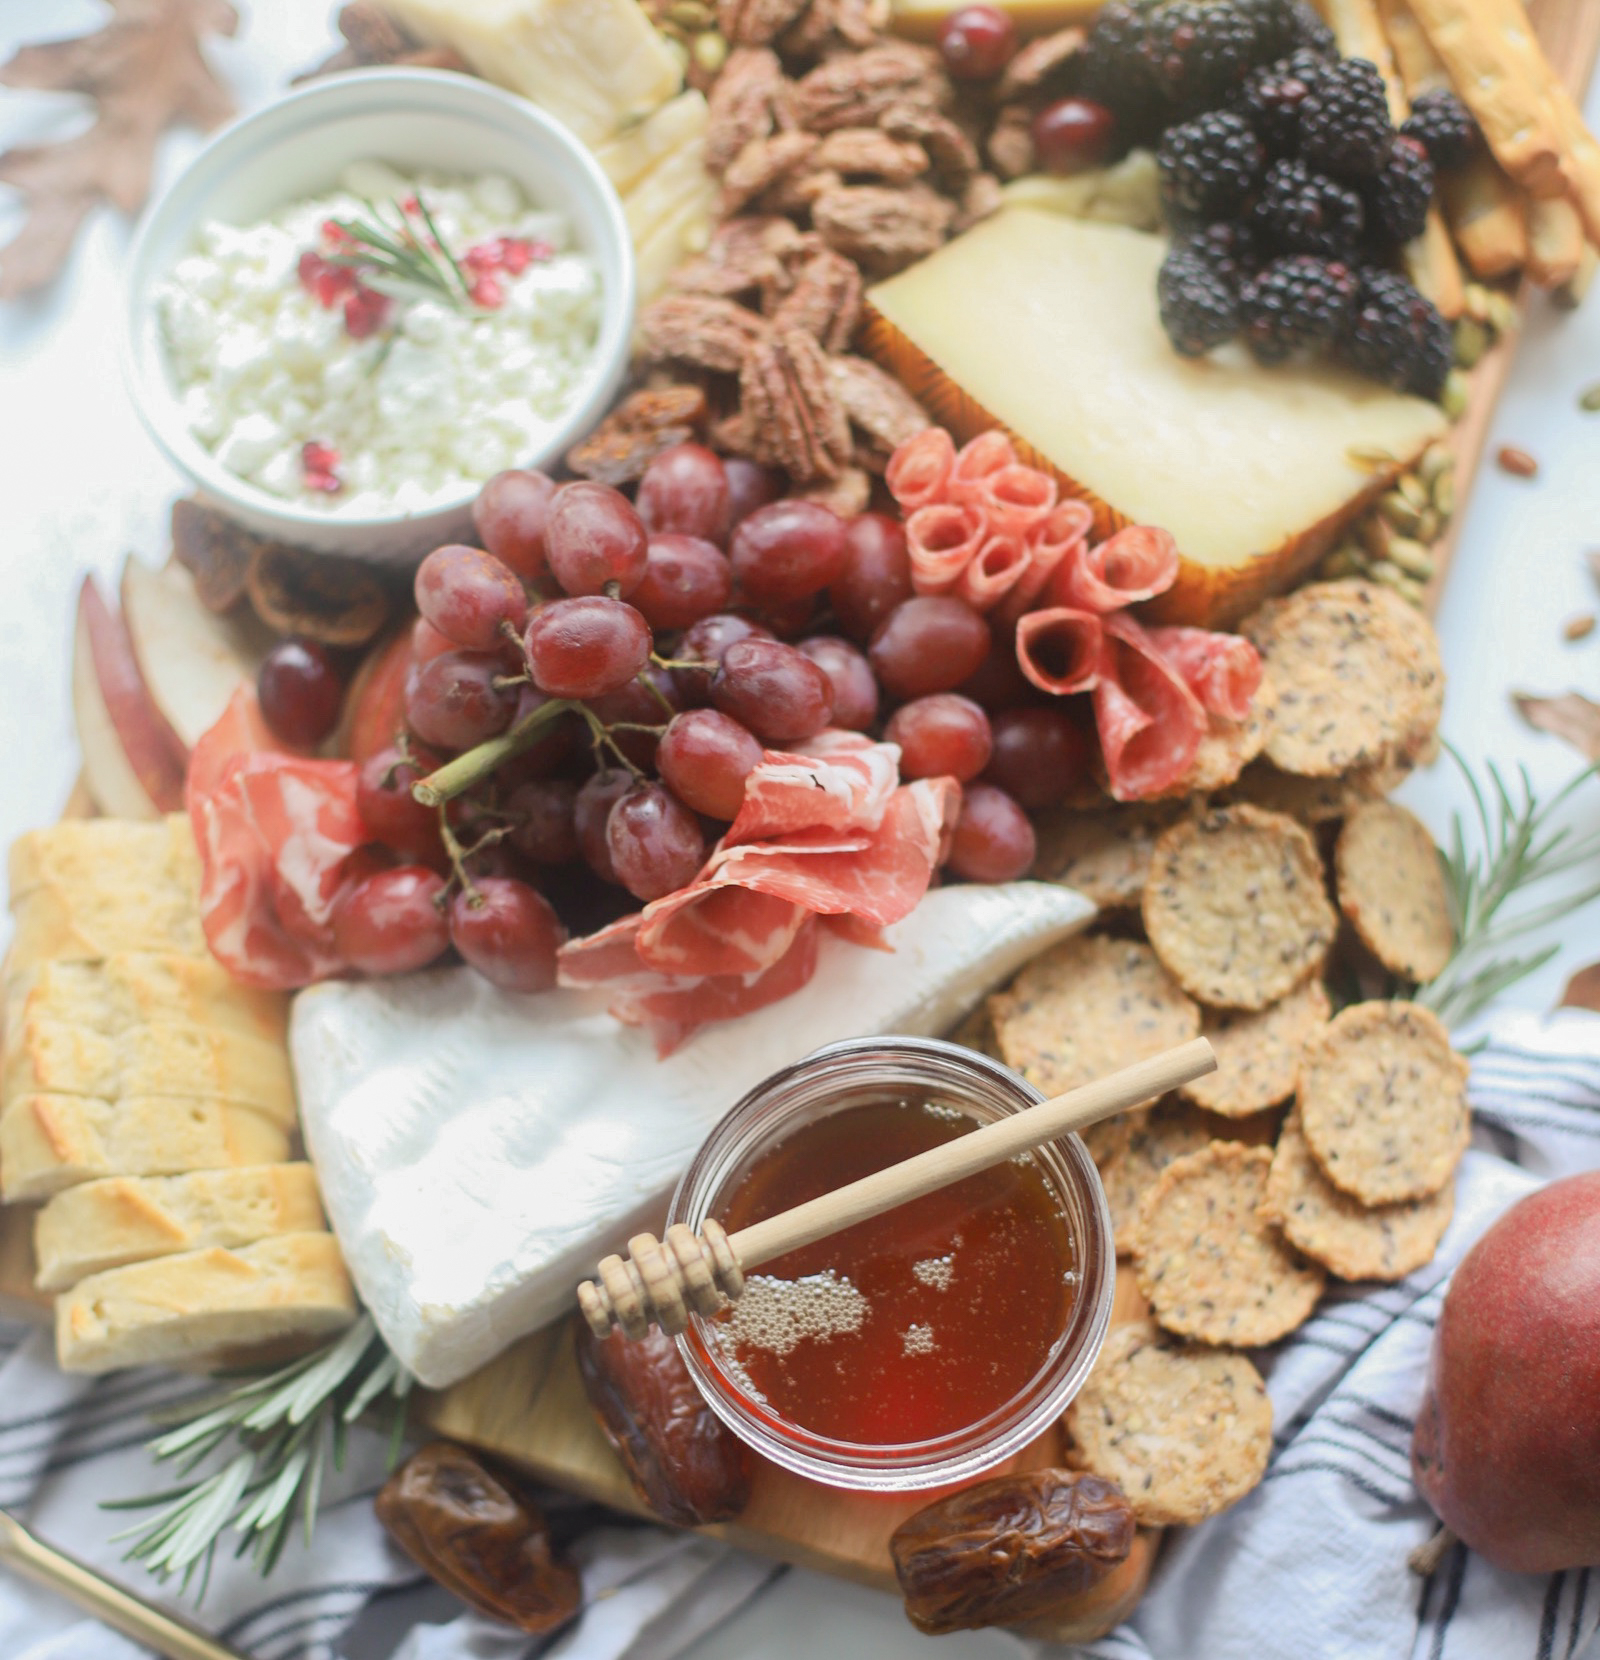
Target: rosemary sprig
x=394, y=260
x=1515, y=848
x=277, y=1431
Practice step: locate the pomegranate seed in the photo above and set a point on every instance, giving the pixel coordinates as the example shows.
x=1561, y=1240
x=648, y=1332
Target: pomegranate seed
x=324, y=279
x=410, y=205
x=487, y=292
x=364, y=313
x=318, y=462
x=334, y=232
x=484, y=256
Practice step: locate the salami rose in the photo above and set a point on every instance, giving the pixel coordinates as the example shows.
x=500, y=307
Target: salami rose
x=1059, y=535
x=1059, y=649
x=1017, y=498
x=1222, y=670
x=976, y=463
x=1150, y=723
x=999, y=566
x=942, y=541
x=918, y=474
x=1137, y=563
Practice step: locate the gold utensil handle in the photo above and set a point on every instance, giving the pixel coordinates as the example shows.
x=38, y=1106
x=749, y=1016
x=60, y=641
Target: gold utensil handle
x=97, y=1595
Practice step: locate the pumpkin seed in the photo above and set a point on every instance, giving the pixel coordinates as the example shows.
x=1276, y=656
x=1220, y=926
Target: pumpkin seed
x=1400, y=512
x=1412, y=558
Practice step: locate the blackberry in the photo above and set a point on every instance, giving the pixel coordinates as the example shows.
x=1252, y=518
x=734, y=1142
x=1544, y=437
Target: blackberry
x=1228, y=248
x=1312, y=33
x=1199, y=306
x=1208, y=166
x=1302, y=212
x=1443, y=125
x=1112, y=68
x=1396, y=336
x=1197, y=53
x=1397, y=198
x=1283, y=26
x=1298, y=303
x=1344, y=120
x=1270, y=99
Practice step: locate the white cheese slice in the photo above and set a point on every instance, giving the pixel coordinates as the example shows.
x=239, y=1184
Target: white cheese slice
x=479, y=1153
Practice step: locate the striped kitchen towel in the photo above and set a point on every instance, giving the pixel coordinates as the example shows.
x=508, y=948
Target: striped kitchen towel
x=1312, y=1566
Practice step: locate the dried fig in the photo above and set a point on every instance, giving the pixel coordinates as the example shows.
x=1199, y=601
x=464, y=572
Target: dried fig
x=1010, y=1549
x=684, y=1462
x=460, y=1523
x=214, y=550
x=331, y=601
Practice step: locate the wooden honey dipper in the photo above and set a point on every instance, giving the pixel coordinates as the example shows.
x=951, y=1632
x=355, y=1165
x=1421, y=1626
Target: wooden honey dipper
x=660, y=1282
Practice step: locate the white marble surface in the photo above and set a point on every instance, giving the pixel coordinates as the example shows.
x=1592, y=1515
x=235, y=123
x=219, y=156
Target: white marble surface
x=81, y=486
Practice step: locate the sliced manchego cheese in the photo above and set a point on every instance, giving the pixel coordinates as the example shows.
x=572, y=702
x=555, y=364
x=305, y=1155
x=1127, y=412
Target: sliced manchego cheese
x=923, y=19
x=123, y=1219
x=173, y=1308
x=677, y=125
x=596, y=65
x=1048, y=326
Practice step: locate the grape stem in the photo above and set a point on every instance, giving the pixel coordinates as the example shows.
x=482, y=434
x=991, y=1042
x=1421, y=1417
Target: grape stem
x=474, y=765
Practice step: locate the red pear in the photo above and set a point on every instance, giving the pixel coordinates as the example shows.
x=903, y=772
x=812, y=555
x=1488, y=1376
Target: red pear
x=1507, y=1446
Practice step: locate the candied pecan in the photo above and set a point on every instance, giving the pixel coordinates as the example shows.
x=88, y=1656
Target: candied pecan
x=832, y=26
x=876, y=402
x=750, y=100
x=696, y=328
x=792, y=414
x=478, y=1537
x=762, y=162
x=756, y=22
x=882, y=230
x=683, y=1462
x=1037, y=61
x=953, y=154
x=854, y=89
x=866, y=152
x=825, y=301
x=332, y=601
x=1010, y=146
x=372, y=34
x=637, y=431
x=846, y=495
x=795, y=192
x=214, y=550
x=981, y=197
x=743, y=254
x=1009, y=1549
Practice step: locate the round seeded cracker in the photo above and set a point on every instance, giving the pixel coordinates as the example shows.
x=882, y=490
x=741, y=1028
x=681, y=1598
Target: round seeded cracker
x=1383, y=1102
x=1392, y=889
x=1210, y=1267
x=1184, y=1431
x=1087, y=1007
x=1357, y=676
x=1352, y=1240
x=1258, y=1053
x=1105, y=854
x=1314, y=800
x=1236, y=907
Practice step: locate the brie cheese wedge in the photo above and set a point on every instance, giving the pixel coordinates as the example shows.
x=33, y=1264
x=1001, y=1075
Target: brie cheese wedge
x=479, y=1153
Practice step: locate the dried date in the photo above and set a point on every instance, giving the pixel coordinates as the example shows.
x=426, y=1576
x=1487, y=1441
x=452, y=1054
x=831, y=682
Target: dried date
x=1010, y=1549
x=464, y=1526
x=637, y=431
x=684, y=1462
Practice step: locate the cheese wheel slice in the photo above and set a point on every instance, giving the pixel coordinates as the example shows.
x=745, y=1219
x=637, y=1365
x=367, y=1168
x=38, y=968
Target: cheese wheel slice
x=107, y=1224
x=177, y=1307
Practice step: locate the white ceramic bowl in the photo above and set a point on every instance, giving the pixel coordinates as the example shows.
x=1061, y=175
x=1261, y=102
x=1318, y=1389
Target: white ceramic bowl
x=410, y=118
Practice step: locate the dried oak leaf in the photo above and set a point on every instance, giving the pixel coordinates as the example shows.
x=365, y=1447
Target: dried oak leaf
x=854, y=89
x=637, y=431
x=1037, y=61
x=792, y=417
x=214, y=550
x=876, y=402
x=332, y=601
x=952, y=152
x=869, y=153
x=751, y=99
x=756, y=22
x=761, y=164
x=144, y=70
x=1010, y=146
x=882, y=230
x=699, y=329
x=825, y=301
x=1570, y=717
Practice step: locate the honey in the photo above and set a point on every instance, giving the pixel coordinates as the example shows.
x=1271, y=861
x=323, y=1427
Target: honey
x=917, y=1323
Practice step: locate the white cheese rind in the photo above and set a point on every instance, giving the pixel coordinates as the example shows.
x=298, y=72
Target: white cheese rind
x=478, y=1153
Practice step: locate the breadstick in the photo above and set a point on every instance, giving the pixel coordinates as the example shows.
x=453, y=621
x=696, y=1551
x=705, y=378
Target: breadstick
x=1555, y=241
x=1489, y=217
x=1416, y=61
x=1434, y=270
x=1570, y=294
x=1581, y=163
x=1498, y=69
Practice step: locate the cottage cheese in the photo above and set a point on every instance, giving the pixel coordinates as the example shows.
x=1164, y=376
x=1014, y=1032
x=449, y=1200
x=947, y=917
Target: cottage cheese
x=431, y=404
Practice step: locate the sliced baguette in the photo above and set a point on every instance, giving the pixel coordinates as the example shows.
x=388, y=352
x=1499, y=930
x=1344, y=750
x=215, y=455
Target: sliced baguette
x=50, y=1057
x=87, y=888
x=121, y=1219
x=156, y=1313
x=134, y=988
x=51, y=1142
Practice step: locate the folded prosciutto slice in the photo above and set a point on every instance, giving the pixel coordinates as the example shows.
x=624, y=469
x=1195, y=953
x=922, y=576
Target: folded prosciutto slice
x=825, y=831
x=1222, y=670
x=275, y=833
